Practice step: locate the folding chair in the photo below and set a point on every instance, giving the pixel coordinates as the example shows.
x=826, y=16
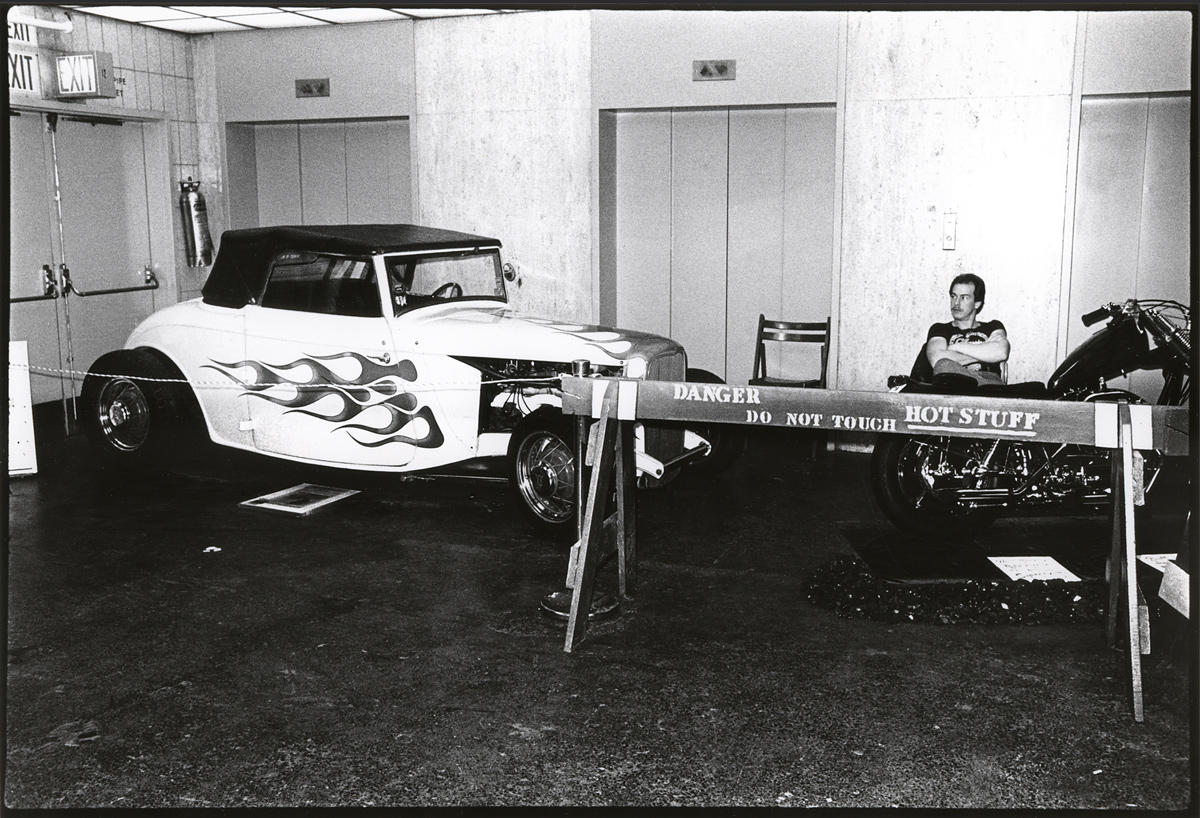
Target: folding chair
x=785, y=332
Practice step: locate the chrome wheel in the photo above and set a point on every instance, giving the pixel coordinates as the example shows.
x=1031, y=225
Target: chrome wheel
x=124, y=414
x=545, y=475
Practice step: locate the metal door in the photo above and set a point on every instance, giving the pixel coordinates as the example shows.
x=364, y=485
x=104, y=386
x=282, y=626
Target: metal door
x=80, y=246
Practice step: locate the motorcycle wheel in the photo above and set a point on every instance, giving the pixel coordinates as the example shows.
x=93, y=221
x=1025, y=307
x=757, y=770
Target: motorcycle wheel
x=900, y=481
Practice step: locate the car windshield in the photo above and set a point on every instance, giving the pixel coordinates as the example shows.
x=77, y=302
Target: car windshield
x=418, y=280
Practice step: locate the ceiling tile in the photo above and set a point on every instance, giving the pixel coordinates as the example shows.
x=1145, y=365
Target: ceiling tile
x=224, y=11
x=354, y=15
x=196, y=25
x=279, y=19
x=443, y=12
x=135, y=14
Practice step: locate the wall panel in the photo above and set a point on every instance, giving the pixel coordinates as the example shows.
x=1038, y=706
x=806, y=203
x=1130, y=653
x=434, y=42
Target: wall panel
x=369, y=67
x=967, y=113
x=323, y=194
x=643, y=221
x=699, y=226
x=278, y=164
x=504, y=134
x=1108, y=208
x=643, y=58
x=809, y=213
x=1133, y=211
x=1137, y=51
x=756, y=226
x=242, y=190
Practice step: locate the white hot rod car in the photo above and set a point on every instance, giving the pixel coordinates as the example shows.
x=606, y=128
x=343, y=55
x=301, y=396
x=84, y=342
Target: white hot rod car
x=388, y=348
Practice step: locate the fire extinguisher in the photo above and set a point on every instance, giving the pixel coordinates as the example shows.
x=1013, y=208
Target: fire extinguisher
x=195, y=224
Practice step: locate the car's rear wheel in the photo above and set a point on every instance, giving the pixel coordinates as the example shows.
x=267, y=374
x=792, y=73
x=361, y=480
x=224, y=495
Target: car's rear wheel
x=130, y=409
x=542, y=470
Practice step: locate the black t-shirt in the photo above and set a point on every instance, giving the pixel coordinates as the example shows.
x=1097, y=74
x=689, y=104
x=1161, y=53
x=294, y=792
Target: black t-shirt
x=975, y=335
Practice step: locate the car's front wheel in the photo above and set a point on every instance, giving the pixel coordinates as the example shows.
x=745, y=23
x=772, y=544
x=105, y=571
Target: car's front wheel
x=129, y=408
x=542, y=469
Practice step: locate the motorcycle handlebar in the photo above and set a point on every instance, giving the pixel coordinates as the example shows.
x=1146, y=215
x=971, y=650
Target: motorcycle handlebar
x=1096, y=315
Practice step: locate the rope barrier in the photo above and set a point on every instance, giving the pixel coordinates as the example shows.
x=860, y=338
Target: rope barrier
x=51, y=372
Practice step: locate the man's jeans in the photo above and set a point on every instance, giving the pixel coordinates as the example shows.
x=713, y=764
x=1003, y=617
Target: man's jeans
x=948, y=367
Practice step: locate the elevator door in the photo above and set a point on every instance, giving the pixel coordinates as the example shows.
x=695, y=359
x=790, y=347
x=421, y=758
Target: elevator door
x=99, y=230
x=1133, y=211
x=722, y=214
x=330, y=172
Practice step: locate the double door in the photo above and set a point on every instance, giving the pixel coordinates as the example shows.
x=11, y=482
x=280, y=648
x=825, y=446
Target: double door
x=79, y=212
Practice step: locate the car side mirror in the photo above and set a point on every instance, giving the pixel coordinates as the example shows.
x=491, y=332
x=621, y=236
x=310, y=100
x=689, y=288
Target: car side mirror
x=510, y=272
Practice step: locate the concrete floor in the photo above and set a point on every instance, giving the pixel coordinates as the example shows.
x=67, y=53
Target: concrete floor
x=167, y=648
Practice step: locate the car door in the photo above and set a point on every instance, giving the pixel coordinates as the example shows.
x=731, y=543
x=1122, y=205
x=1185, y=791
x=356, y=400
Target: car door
x=324, y=379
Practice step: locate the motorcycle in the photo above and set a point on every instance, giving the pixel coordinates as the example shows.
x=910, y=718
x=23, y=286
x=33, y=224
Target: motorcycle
x=934, y=484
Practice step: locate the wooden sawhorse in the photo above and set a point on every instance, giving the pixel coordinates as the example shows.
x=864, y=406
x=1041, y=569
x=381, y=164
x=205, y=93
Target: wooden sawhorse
x=610, y=455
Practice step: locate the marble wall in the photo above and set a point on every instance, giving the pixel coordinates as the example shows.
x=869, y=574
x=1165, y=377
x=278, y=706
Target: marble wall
x=502, y=142
x=952, y=112
x=643, y=58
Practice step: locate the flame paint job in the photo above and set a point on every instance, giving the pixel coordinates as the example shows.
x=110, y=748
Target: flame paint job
x=306, y=381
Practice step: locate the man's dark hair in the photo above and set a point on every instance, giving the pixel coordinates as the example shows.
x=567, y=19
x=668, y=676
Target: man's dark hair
x=974, y=280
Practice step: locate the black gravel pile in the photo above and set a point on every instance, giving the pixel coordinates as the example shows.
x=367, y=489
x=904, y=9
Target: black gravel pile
x=848, y=588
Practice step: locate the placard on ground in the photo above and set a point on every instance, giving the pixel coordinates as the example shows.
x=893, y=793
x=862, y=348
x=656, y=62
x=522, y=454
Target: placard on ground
x=300, y=500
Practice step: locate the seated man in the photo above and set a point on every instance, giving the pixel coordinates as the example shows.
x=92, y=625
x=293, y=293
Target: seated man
x=964, y=346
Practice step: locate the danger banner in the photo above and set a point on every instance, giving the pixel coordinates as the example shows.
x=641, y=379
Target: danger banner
x=1047, y=421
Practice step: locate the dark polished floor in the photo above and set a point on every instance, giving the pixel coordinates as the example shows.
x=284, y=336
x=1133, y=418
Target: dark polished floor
x=167, y=648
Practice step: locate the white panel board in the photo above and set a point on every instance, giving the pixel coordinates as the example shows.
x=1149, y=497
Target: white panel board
x=22, y=452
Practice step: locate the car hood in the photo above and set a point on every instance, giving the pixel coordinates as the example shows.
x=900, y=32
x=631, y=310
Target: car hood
x=501, y=332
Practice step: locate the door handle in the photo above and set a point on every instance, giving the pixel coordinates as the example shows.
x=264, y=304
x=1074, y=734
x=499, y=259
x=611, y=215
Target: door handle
x=69, y=286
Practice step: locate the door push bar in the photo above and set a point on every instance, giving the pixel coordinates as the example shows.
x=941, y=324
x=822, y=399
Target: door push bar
x=69, y=286
x=49, y=288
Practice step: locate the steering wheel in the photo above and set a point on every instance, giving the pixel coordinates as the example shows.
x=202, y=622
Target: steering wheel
x=448, y=290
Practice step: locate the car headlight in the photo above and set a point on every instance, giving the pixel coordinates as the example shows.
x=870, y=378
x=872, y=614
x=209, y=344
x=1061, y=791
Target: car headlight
x=635, y=368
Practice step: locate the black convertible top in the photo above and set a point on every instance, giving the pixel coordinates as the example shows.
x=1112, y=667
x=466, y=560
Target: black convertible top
x=239, y=274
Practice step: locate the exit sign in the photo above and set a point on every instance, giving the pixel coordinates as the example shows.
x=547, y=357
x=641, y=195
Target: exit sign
x=85, y=76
